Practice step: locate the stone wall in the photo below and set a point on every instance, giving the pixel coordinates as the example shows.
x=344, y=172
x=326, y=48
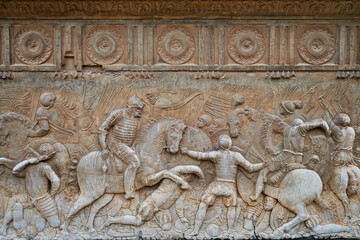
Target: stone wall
x=179, y=119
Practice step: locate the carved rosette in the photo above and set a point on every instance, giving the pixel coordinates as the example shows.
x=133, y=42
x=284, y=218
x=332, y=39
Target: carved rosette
x=104, y=45
x=246, y=45
x=176, y=45
x=316, y=45
x=33, y=45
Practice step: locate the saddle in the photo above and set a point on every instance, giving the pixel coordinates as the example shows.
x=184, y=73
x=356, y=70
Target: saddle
x=276, y=177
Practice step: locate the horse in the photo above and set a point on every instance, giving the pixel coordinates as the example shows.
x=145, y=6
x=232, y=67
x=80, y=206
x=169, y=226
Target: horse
x=97, y=185
x=298, y=188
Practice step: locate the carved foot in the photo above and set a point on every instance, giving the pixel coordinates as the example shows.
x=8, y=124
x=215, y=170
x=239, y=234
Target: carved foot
x=106, y=224
x=194, y=233
x=278, y=232
x=253, y=197
x=185, y=185
x=346, y=220
x=129, y=196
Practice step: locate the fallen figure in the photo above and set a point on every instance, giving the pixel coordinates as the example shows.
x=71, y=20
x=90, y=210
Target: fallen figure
x=161, y=199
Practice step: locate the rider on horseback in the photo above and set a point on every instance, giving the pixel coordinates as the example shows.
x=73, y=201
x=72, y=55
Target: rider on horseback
x=292, y=152
x=124, y=122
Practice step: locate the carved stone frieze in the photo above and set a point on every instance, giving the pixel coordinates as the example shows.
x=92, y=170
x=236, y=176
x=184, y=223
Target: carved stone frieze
x=317, y=45
x=33, y=45
x=104, y=45
x=176, y=45
x=246, y=45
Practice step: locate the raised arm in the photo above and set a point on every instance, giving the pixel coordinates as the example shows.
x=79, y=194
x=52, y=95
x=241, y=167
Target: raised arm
x=310, y=125
x=211, y=156
x=248, y=166
x=7, y=162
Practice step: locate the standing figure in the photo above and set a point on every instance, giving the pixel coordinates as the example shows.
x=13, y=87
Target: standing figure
x=124, y=122
x=346, y=175
x=292, y=152
x=41, y=182
x=224, y=185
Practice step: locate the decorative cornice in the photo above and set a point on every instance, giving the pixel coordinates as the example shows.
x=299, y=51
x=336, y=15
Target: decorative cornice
x=177, y=9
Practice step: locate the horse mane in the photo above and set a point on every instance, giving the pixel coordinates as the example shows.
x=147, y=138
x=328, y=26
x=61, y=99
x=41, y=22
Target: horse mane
x=144, y=130
x=8, y=117
x=265, y=141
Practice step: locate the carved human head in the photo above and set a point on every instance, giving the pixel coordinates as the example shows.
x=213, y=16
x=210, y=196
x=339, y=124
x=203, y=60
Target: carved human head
x=217, y=124
x=269, y=203
x=224, y=142
x=46, y=149
x=237, y=100
x=204, y=121
x=342, y=119
x=47, y=100
x=135, y=104
x=297, y=121
x=289, y=107
x=152, y=94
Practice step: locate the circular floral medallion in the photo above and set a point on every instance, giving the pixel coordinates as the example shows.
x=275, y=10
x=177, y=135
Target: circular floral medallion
x=176, y=45
x=246, y=45
x=104, y=45
x=33, y=45
x=316, y=45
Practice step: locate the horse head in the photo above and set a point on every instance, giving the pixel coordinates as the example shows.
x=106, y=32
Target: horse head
x=4, y=133
x=174, y=135
x=235, y=122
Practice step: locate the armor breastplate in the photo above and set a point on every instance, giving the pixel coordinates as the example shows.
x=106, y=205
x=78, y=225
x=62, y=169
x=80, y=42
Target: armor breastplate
x=225, y=168
x=125, y=131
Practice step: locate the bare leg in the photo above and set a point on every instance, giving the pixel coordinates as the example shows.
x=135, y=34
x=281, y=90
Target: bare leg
x=260, y=184
x=200, y=216
x=100, y=203
x=126, y=220
x=157, y=177
x=332, y=228
x=231, y=213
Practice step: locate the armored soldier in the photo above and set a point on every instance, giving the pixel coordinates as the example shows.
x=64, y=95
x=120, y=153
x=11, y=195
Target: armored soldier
x=292, y=152
x=226, y=162
x=124, y=123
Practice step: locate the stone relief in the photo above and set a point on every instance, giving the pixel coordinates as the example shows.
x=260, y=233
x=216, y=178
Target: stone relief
x=246, y=45
x=104, y=45
x=33, y=45
x=317, y=45
x=176, y=45
x=110, y=159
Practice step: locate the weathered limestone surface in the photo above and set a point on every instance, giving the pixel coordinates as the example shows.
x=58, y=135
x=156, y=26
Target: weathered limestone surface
x=167, y=121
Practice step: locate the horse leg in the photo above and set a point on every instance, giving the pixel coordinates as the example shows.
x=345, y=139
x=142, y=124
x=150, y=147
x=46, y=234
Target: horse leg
x=157, y=177
x=301, y=215
x=99, y=203
x=338, y=184
x=81, y=202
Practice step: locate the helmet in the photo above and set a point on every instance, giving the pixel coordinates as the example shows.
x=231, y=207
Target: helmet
x=224, y=142
x=135, y=101
x=46, y=99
